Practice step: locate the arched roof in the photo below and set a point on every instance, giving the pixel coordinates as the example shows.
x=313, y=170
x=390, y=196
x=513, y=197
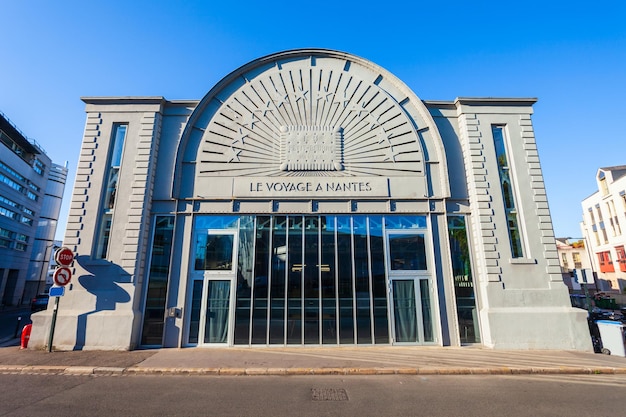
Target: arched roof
x=308, y=113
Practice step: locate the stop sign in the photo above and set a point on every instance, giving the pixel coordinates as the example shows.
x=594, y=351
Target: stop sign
x=63, y=256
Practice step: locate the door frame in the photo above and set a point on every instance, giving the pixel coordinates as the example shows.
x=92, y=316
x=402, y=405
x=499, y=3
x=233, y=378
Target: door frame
x=206, y=276
x=417, y=276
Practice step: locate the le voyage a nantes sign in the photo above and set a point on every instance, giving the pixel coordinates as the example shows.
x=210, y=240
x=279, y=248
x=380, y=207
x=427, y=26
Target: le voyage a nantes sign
x=319, y=187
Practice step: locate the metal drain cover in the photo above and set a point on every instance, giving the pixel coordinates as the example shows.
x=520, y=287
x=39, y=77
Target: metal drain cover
x=329, y=394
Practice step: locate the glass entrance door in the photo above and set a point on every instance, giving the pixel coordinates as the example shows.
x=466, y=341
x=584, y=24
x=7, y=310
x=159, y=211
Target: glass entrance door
x=412, y=320
x=406, y=326
x=409, y=287
x=213, y=278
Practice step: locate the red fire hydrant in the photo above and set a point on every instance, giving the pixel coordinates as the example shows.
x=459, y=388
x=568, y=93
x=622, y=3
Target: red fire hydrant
x=26, y=336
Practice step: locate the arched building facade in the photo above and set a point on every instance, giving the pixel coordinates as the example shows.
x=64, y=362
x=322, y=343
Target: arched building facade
x=311, y=198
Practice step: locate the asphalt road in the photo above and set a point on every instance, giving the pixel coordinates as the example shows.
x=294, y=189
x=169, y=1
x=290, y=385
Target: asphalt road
x=485, y=396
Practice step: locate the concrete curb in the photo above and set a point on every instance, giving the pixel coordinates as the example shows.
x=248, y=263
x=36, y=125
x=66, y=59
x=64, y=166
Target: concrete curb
x=103, y=370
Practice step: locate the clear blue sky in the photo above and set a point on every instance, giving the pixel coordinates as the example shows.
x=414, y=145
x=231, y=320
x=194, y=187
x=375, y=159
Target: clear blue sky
x=569, y=55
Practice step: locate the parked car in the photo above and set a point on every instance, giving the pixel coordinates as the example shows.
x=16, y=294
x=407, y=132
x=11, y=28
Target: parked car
x=40, y=302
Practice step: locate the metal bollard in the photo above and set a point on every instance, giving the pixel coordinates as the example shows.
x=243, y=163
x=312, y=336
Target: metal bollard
x=17, y=326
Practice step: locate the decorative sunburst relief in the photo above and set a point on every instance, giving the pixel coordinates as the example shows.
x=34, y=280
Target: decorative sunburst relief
x=311, y=148
x=315, y=127
x=310, y=117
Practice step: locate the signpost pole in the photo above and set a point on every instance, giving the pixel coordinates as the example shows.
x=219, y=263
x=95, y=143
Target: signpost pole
x=54, y=320
x=62, y=276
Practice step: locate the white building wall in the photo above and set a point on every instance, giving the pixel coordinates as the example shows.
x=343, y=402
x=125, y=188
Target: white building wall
x=514, y=293
x=100, y=306
x=610, y=195
x=166, y=143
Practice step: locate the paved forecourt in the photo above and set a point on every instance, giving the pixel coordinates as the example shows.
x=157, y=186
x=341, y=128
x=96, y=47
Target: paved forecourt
x=314, y=361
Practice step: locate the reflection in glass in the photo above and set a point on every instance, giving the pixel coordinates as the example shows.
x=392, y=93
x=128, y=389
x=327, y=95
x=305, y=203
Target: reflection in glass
x=278, y=278
x=315, y=279
x=407, y=252
x=111, y=188
x=295, y=263
x=463, y=281
x=507, y=190
x=311, y=277
x=344, y=271
x=216, y=222
x=427, y=320
x=362, y=280
x=244, y=279
x=112, y=174
x=379, y=290
x=327, y=272
x=261, y=272
x=104, y=234
x=154, y=312
x=114, y=165
x=405, y=222
x=217, y=253
x=196, y=305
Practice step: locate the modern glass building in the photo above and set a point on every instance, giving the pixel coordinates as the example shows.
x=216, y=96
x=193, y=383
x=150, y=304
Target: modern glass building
x=31, y=190
x=311, y=198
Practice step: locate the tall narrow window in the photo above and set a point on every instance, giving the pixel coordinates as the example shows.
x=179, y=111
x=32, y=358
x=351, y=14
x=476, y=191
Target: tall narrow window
x=38, y=166
x=111, y=184
x=154, y=313
x=467, y=313
x=604, y=187
x=601, y=223
x=617, y=230
x=621, y=257
x=606, y=264
x=594, y=227
x=507, y=192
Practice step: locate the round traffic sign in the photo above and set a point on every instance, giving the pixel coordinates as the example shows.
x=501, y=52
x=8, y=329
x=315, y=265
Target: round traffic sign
x=62, y=276
x=63, y=256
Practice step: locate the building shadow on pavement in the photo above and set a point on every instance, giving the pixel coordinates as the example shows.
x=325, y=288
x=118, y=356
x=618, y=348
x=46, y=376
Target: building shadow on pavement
x=102, y=281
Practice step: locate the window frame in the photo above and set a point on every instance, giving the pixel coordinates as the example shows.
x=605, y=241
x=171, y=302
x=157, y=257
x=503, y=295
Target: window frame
x=102, y=243
x=510, y=197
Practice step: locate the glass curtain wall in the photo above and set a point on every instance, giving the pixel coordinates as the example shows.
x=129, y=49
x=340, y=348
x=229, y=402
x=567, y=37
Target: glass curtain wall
x=308, y=280
x=313, y=280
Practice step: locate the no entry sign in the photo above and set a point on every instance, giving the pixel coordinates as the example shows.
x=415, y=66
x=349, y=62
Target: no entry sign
x=64, y=256
x=62, y=276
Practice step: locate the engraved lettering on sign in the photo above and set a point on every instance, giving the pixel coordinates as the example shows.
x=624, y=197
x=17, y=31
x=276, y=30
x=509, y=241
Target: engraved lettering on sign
x=311, y=148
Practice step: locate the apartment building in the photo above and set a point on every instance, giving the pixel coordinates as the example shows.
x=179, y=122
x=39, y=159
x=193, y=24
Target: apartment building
x=604, y=227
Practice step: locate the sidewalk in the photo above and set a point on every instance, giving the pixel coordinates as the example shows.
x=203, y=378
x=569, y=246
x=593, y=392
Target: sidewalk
x=310, y=361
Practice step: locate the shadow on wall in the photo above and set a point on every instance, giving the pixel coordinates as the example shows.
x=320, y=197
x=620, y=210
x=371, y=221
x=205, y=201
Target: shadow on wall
x=102, y=281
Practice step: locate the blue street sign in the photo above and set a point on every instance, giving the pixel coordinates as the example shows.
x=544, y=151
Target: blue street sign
x=57, y=291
